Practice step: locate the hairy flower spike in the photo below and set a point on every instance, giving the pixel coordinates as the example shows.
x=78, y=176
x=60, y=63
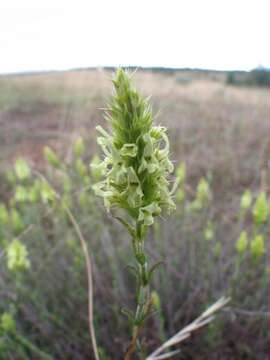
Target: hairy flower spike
x=136, y=164
x=135, y=172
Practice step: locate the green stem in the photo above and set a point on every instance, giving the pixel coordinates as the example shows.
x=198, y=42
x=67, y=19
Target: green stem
x=143, y=292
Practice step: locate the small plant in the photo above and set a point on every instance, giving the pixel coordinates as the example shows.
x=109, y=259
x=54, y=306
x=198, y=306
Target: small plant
x=17, y=256
x=260, y=210
x=135, y=188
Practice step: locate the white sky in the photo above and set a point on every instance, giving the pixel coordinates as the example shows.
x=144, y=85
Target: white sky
x=62, y=34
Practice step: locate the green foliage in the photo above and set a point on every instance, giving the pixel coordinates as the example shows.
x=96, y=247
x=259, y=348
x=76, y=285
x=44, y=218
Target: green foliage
x=79, y=147
x=203, y=196
x=217, y=249
x=242, y=242
x=181, y=178
x=46, y=192
x=17, y=256
x=3, y=215
x=261, y=209
x=257, y=247
x=80, y=168
x=180, y=195
x=7, y=324
x=246, y=200
x=203, y=191
x=51, y=157
x=21, y=194
x=16, y=221
x=181, y=173
x=156, y=300
x=22, y=169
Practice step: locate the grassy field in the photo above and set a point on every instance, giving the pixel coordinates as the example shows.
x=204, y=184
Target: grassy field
x=221, y=133
x=207, y=120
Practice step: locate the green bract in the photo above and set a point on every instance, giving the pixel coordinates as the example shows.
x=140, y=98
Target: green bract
x=136, y=160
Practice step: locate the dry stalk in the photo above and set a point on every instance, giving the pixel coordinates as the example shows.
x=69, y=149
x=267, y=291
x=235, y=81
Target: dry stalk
x=206, y=317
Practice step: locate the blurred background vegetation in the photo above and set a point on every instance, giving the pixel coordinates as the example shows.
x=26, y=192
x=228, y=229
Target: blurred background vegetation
x=216, y=243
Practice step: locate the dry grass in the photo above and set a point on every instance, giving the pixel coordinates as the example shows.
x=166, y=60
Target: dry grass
x=214, y=127
x=221, y=132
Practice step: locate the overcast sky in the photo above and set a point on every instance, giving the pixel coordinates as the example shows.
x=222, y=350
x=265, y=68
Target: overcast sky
x=61, y=34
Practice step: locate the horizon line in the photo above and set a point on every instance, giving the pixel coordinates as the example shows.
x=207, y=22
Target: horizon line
x=133, y=67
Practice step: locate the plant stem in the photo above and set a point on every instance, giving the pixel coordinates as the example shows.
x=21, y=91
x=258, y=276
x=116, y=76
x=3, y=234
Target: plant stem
x=143, y=292
x=132, y=346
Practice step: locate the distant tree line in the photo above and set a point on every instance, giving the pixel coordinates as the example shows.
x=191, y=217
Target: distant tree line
x=257, y=77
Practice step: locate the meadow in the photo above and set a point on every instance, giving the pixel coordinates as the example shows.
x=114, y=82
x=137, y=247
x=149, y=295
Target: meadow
x=215, y=244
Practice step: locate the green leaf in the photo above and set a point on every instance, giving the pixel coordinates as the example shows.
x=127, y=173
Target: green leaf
x=129, y=314
x=154, y=268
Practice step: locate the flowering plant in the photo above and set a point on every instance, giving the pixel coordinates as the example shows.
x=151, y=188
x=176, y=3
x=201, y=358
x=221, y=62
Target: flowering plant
x=135, y=171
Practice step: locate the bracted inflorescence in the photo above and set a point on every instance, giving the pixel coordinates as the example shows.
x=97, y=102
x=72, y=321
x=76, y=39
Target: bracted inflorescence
x=135, y=168
x=136, y=164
